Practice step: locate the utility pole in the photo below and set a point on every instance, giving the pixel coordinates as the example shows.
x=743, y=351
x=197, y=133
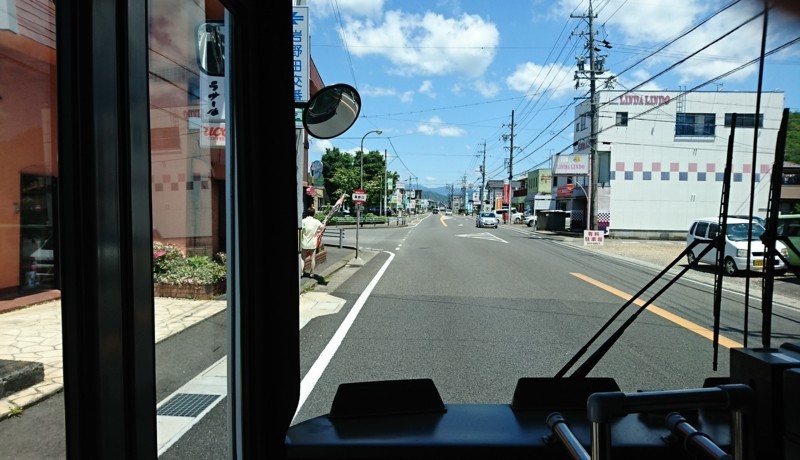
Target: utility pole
x=483, y=176
x=416, y=190
x=450, y=198
x=383, y=187
x=596, y=67
x=464, y=192
x=510, y=165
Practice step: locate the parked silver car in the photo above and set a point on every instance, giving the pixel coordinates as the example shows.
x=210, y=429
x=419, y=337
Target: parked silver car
x=486, y=219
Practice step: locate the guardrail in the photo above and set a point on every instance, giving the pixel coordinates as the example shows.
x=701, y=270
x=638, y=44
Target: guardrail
x=335, y=233
x=371, y=221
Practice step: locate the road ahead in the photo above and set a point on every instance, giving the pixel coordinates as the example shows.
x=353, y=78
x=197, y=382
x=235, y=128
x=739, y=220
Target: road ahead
x=477, y=309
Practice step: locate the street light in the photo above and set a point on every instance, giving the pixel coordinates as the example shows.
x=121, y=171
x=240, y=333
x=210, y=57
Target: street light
x=587, y=218
x=376, y=131
x=358, y=207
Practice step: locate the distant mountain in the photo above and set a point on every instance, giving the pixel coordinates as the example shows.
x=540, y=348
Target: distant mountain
x=441, y=194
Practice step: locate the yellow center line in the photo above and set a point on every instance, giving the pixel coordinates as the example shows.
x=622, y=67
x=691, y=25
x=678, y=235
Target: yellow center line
x=441, y=219
x=694, y=327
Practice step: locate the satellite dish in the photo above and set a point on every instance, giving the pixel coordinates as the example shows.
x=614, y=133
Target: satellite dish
x=331, y=111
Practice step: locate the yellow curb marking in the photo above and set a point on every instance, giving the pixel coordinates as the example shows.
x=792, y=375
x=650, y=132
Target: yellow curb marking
x=696, y=328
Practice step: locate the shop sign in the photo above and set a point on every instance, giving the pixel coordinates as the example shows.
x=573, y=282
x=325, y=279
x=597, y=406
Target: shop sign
x=593, y=237
x=571, y=165
x=212, y=134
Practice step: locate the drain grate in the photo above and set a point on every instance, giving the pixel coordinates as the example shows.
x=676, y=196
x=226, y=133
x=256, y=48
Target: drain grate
x=186, y=405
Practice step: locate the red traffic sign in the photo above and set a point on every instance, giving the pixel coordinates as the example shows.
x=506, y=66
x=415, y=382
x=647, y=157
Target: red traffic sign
x=359, y=196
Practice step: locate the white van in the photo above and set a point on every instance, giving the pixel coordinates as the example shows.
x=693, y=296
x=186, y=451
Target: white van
x=735, y=259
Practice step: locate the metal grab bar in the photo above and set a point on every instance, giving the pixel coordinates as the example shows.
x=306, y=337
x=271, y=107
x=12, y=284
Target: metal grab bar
x=697, y=443
x=604, y=407
x=562, y=431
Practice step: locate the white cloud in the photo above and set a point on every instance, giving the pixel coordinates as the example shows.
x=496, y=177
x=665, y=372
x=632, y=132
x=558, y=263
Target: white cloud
x=347, y=8
x=427, y=88
x=486, y=88
x=407, y=97
x=535, y=80
x=317, y=147
x=428, y=44
x=434, y=126
x=376, y=91
x=645, y=26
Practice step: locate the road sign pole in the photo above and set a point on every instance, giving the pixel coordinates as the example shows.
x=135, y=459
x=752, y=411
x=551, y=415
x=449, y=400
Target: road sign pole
x=359, y=197
x=358, y=225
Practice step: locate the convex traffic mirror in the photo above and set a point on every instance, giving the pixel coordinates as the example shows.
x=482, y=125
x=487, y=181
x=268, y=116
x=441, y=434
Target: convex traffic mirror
x=331, y=111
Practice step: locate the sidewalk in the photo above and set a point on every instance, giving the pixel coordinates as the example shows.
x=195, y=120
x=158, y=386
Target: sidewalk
x=33, y=333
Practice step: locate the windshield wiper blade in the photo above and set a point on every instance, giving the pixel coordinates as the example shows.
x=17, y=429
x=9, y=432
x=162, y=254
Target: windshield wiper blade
x=587, y=366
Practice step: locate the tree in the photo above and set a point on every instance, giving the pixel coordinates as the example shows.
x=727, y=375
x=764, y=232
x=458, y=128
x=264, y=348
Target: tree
x=792, y=151
x=342, y=174
x=373, y=177
x=335, y=167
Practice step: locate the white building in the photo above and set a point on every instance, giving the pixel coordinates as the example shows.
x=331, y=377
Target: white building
x=661, y=159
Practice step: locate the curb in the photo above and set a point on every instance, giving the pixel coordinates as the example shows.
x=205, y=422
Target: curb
x=311, y=284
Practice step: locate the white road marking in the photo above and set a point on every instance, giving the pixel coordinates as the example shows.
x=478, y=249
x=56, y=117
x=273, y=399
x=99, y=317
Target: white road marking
x=483, y=236
x=315, y=372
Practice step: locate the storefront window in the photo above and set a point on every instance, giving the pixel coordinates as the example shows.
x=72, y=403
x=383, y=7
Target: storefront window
x=187, y=140
x=30, y=281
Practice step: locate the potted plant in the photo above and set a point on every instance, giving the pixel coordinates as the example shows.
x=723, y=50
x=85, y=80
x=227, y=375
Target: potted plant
x=193, y=277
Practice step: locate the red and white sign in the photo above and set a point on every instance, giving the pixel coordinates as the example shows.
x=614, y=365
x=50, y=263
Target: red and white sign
x=359, y=196
x=593, y=237
x=212, y=134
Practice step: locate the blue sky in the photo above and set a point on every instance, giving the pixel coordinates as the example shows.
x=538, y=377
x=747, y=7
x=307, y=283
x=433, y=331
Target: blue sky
x=441, y=79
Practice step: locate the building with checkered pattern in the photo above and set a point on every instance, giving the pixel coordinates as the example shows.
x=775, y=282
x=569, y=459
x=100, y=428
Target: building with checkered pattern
x=660, y=159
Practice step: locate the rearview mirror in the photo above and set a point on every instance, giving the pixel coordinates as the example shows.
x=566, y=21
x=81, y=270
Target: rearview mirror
x=211, y=48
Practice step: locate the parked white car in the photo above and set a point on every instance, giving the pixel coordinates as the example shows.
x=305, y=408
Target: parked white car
x=735, y=258
x=530, y=221
x=516, y=217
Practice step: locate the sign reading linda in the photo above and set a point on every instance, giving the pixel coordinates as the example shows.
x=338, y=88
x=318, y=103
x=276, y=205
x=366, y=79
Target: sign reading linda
x=571, y=165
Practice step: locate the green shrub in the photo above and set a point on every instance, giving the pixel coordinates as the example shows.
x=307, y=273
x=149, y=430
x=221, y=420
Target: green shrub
x=170, y=266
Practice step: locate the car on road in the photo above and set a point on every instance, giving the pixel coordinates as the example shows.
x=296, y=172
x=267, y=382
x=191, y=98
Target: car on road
x=435, y=210
x=487, y=219
x=756, y=219
x=530, y=221
x=735, y=258
x=449, y=212
x=789, y=228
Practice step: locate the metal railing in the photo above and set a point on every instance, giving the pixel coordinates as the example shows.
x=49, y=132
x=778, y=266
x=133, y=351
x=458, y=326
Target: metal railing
x=603, y=408
x=335, y=233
